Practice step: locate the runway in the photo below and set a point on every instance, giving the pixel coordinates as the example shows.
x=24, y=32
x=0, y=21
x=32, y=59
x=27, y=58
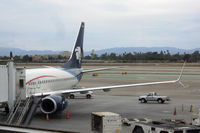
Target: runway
x=125, y=100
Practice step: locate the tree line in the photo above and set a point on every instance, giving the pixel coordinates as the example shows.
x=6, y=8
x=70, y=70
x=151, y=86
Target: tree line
x=113, y=57
x=146, y=57
x=37, y=58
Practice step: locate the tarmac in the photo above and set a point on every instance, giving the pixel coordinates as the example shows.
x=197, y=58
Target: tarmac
x=127, y=106
x=125, y=100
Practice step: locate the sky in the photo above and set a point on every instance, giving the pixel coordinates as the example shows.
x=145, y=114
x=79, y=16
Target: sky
x=54, y=24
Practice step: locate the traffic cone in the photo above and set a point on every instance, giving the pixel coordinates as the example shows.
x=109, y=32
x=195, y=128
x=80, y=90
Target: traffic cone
x=191, y=108
x=117, y=130
x=47, y=117
x=182, y=108
x=193, y=114
x=175, y=111
x=67, y=114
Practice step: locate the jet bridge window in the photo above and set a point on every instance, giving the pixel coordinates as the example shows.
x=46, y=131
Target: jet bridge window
x=21, y=83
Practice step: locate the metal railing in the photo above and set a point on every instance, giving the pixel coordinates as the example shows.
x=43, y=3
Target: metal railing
x=14, y=111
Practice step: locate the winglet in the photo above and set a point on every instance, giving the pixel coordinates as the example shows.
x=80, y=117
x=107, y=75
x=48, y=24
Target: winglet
x=180, y=76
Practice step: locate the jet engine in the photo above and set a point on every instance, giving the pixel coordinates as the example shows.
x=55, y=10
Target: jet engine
x=53, y=103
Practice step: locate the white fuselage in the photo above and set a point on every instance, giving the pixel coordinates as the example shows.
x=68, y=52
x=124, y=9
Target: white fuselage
x=48, y=80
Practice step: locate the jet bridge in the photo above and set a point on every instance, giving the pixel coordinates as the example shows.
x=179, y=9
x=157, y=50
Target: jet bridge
x=12, y=81
x=13, y=97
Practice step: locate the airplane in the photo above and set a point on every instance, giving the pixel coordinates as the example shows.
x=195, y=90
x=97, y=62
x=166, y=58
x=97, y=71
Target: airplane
x=52, y=83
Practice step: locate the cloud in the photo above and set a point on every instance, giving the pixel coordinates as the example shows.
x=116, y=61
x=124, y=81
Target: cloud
x=53, y=24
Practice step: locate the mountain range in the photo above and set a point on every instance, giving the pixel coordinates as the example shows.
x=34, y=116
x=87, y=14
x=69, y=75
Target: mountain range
x=16, y=51
x=119, y=50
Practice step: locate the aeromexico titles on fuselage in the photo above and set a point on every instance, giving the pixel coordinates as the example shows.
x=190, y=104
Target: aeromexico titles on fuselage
x=47, y=76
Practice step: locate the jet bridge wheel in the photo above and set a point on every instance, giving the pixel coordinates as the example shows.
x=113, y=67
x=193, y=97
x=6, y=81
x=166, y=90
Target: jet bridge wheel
x=7, y=110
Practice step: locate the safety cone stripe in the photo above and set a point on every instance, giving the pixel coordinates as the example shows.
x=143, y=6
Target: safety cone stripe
x=175, y=111
x=191, y=108
x=47, y=117
x=182, y=108
x=67, y=114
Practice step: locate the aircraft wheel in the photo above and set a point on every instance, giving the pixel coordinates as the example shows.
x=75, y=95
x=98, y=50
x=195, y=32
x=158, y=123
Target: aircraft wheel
x=88, y=96
x=71, y=96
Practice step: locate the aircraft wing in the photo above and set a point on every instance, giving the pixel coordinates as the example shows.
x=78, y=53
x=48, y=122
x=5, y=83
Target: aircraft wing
x=103, y=88
x=100, y=69
x=112, y=87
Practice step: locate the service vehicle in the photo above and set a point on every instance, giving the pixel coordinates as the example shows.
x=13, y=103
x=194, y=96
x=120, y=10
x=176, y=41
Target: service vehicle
x=106, y=122
x=196, y=119
x=164, y=126
x=152, y=96
x=88, y=95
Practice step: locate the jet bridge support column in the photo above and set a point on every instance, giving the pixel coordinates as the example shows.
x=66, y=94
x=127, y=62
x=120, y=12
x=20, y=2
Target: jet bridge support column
x=11, y=84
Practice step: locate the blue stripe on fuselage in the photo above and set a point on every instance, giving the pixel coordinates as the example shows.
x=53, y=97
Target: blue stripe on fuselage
x=73, y=74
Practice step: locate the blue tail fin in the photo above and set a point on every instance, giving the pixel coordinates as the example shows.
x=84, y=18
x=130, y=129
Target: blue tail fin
x=75, y=59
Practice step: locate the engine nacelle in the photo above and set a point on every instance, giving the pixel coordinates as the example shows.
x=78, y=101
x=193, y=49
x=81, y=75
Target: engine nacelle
x=53, y=103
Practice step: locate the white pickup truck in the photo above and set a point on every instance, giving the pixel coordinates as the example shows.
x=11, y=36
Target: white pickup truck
x=152, y=96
